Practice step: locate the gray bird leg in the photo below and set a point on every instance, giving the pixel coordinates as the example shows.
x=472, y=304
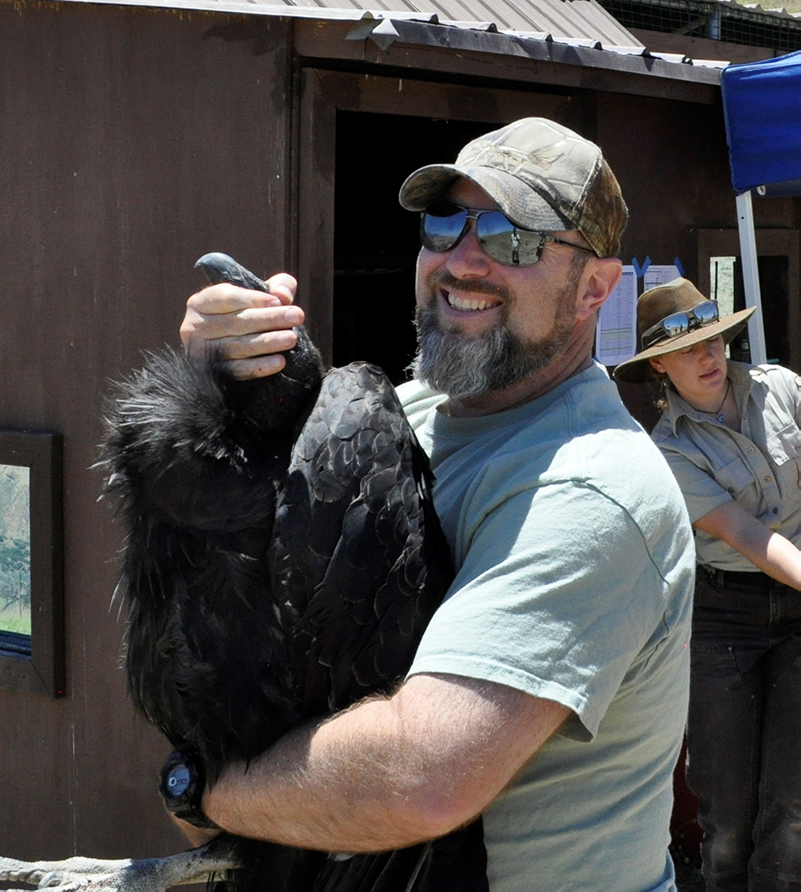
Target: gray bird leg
x=127, y=875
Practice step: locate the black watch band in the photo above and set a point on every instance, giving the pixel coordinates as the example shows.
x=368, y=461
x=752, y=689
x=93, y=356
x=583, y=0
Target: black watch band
x=183, y=780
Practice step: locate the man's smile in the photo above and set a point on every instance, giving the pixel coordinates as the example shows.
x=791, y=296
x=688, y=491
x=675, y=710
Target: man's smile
x=469, y=303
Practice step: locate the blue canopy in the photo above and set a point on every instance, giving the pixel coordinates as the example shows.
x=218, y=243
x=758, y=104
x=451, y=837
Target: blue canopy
x=762, y=106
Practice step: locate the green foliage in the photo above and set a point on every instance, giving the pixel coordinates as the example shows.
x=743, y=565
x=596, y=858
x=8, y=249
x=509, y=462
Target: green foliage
x=15, y=550
x=15, y=554
x=15, y=579
x=12, y=621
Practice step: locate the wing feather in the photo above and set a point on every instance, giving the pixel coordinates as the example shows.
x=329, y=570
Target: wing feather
x=346, y=526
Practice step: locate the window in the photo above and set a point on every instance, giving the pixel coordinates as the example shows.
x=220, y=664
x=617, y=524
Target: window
x=31, y=589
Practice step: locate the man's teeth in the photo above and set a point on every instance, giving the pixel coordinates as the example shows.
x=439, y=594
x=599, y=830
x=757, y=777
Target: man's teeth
x=461, y=303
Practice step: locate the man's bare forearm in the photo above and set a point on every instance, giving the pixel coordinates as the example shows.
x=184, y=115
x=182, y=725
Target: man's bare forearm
x=388, y=773
x=330, y=786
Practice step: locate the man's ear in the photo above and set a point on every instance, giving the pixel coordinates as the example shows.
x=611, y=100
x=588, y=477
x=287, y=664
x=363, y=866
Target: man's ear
x=598, y=281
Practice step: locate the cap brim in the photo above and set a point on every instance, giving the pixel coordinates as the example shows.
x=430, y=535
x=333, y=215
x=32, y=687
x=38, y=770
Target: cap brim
x=522, y=204
x=637, y=369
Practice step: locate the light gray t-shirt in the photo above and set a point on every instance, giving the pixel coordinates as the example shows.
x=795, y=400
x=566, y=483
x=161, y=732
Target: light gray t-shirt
x=758, y=467
x=575, y=570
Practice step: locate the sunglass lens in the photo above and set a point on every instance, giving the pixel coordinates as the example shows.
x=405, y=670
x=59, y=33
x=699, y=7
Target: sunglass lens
x=676, y=324
x=441, y=226
x=679, y=323
x=706, y=312
x=499, y=237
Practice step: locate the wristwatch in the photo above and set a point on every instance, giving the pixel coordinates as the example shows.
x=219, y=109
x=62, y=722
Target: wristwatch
x=183, y=780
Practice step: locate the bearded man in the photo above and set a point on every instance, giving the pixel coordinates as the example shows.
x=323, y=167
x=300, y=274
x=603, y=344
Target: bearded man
x=549, y=691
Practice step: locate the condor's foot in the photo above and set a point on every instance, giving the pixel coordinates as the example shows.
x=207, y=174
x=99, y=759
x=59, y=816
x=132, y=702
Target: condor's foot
x=127, y=875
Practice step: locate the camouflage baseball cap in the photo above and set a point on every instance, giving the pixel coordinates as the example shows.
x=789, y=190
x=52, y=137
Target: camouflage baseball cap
x=541, y=175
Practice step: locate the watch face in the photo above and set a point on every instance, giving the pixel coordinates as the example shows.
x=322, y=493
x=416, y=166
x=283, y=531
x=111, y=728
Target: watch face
x=177, y=781
x=181, y=787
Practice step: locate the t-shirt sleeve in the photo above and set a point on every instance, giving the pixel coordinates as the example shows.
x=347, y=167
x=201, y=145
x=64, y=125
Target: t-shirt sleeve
x=557, y=596
x=796, y=391
x=786, y=386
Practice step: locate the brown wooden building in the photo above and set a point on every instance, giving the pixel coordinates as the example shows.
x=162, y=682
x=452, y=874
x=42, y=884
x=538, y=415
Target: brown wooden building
x=133, y=139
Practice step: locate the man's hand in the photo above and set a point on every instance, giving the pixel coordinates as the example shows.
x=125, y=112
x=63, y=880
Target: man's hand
x=249, y=329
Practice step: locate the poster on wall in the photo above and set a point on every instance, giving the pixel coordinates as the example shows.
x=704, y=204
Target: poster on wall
x=616, y=333
x=657, y=274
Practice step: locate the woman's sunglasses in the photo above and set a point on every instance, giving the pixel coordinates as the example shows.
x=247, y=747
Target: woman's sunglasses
x=680, y=323
x=443, y=225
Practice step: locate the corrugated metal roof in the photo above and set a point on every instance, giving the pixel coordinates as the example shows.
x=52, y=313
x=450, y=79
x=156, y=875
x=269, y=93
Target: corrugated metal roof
x=779, y=11
x=735, y=5
x=704, y=18
x=559, y=18
x=384, y=27
x=563, y=20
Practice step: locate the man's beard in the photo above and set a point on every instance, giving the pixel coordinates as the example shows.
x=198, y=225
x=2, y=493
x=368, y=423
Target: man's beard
x=465, y=367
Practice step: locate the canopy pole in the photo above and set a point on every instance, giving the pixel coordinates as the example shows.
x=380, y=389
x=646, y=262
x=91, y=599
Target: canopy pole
x=753, y=298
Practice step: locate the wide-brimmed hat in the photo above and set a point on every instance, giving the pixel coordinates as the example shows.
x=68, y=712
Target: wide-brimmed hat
x=542, y=175
x=656, y=306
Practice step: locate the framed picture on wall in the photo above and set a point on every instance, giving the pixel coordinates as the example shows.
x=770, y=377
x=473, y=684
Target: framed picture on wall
x=31, y=563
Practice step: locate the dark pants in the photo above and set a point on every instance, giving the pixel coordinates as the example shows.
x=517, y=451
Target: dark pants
x=745, y=731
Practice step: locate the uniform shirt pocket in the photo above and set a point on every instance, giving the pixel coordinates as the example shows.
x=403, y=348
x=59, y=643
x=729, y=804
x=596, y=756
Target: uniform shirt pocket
x=734, y=477
x=785, y=445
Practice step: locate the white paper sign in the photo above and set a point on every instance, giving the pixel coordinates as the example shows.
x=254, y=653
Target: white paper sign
x=616, y=334
x=658, y=275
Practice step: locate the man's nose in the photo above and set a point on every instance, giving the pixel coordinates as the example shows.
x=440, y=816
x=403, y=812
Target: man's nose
x=467, y=258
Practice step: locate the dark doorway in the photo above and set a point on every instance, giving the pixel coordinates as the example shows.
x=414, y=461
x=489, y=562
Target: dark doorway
x=720, y=276
x=773, y=285
x=375, y=239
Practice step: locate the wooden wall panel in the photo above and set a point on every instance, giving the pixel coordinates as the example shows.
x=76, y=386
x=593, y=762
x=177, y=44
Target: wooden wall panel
x=131, y=142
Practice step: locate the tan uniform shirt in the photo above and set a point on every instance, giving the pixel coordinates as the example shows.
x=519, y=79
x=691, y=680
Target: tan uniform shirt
x=759, y=468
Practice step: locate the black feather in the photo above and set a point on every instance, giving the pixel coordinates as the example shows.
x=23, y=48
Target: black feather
x=282, y=560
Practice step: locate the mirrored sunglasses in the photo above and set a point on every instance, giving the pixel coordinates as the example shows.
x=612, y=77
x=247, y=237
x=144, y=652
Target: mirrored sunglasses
x=680, y=323
x=443, y=225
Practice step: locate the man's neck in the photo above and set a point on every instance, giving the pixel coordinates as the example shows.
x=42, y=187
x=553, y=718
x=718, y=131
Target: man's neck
x=576, y=357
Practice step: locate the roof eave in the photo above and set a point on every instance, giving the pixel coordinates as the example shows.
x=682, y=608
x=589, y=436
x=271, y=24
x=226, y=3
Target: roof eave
x=384, y=36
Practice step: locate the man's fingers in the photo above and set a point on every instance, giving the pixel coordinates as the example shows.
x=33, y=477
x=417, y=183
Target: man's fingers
x=226, y=298
x=257, y=367
x=249, y=321
x=284, y=286
x=252, y=346
x=247, y=328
